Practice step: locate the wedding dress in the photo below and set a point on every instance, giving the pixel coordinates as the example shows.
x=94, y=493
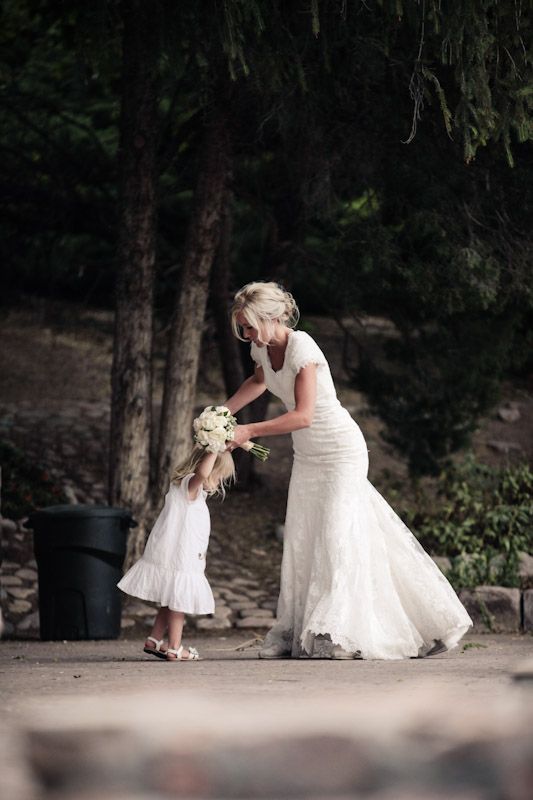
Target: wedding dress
x=352, y=573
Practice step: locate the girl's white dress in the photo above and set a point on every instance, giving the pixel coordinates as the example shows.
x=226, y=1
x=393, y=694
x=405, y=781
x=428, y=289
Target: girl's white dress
x=171, y=569
x=352, y=572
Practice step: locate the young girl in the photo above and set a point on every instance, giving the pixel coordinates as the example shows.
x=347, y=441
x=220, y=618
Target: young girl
x=171, y=569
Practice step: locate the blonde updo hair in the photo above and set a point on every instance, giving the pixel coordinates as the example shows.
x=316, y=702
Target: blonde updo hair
x=264, y=303
x=222, y=474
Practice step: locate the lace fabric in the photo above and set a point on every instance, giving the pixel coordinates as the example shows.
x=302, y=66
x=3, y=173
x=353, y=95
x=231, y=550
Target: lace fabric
x=352, y=571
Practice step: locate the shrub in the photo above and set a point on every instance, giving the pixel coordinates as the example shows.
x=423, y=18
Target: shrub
x=483, y=522
x=25, y=486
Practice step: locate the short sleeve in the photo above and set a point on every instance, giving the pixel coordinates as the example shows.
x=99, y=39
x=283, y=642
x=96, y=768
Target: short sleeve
x=304, y=351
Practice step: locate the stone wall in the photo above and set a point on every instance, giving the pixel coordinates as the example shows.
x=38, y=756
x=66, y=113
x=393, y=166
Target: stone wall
x=437, y=746
x=71, y=442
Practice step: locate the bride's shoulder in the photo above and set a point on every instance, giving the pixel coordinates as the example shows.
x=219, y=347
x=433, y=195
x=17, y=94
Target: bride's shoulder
x=305, y=350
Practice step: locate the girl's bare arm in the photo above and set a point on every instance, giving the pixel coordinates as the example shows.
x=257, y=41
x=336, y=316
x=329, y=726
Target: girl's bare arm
x=203, y=471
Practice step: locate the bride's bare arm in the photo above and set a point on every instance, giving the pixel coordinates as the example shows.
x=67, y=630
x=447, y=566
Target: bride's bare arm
x=301, y=417
x=247, y=392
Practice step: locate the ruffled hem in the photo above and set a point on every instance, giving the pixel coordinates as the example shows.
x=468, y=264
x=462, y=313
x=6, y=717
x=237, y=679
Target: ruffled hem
x=306, y=643
x=188, y=592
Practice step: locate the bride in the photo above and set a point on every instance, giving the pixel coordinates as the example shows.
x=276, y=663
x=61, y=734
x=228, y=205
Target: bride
x=355, y=582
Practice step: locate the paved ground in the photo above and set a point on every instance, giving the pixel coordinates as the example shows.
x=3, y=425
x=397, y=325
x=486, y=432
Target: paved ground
x=34, y=673
x=101, y=720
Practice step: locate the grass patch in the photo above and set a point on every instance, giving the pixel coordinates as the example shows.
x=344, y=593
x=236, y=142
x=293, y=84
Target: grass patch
x=473, y=646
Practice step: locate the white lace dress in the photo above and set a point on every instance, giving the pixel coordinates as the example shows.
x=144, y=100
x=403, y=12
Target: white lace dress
x=352, y=572
x=171, y=570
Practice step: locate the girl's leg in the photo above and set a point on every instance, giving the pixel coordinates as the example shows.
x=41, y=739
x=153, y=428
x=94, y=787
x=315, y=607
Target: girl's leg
x=159, y=628
x=176, y=621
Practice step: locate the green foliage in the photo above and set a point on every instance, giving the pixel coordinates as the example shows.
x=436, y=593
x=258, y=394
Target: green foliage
x=327, y=198
x=25, y=486
x=483, y=521
x=57, y=139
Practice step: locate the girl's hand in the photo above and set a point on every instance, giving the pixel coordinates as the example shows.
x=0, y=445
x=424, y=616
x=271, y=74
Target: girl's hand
x=241, y=434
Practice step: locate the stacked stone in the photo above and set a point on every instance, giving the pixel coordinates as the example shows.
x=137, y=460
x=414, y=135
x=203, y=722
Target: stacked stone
x=18, y=583
x=443, y=746
x=240, y=603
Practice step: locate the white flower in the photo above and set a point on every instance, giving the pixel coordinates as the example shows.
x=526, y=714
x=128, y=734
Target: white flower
x=209, y=420
x=213, y=428
x=202, y=438
x=218, y=435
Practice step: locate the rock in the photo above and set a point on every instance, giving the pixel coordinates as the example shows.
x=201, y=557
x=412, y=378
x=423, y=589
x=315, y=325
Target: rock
x=264, y=613
x=249, y=610
x=70, y=494
x=270, y=604
x=19, y=607
x=139, y=610
x=27, y=574
x=244, y=582
x=256, y=593
x=509, y=413
x=244, y=606
x=29, y=623
x=254, y=622
x=528, y=610
x=494, y=609
x=10, y=580
x=212, y=624
x=9, y=565
x=127, y=622
x=524, y=671
x=8, y=525
x=443, y=563
x=504, y=447
x=231, y=597
x=525, y=571
x=21, y=594
x=223, y=612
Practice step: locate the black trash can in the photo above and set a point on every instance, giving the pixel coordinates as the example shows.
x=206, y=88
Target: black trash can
x=80, y=551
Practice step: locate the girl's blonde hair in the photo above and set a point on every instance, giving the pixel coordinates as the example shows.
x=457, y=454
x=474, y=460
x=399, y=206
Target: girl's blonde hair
x=222, y=474
x=264, y=303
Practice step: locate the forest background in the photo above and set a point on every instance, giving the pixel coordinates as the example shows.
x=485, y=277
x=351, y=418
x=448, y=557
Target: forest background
x=374, y=157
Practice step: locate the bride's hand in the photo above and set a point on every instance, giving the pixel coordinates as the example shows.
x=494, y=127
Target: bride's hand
x=241, y=434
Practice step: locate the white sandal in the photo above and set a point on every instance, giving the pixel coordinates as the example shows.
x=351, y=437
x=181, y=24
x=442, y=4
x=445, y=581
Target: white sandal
x=155, y=651
x=193, y=654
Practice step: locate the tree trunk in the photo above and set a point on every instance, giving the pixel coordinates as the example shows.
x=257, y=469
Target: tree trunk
x=229, y=347
x=234, y=355
x=230, y=356
x=175, y=435
x=129, y=463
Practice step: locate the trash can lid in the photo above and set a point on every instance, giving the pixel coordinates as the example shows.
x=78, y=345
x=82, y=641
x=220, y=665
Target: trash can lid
x=79, y=512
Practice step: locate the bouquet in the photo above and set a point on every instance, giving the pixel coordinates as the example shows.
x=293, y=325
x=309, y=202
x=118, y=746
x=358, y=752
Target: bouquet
x=213, y=429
